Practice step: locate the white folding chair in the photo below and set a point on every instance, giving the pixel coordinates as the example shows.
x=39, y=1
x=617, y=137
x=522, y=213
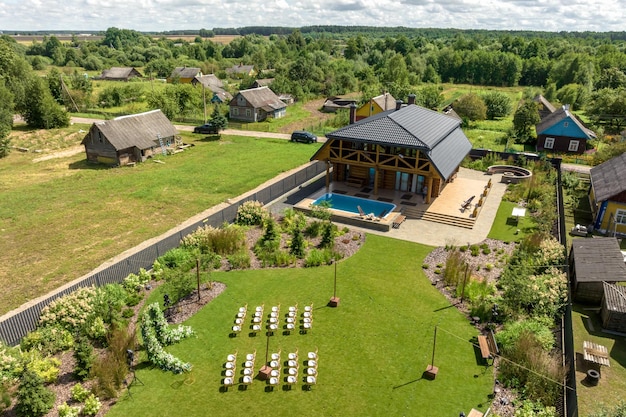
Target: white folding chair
x=228, y=381
x=293, y=356
x=311, y=380
x=231, y=357
x=249, y=371
x=312, y=355
x=292, y=363
x=312, y=363
x=292, y=371
x=275, y=356
x=311, y=371
x=229, y=373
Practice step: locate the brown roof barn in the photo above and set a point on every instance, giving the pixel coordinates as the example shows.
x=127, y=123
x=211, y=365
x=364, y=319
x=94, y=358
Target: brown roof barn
x=128, y=139
x=256, y=105
x=593, y=261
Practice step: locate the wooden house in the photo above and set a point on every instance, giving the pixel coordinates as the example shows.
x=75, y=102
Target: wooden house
x=184, y=75
x=607, y=195
x=375, y=105
x=129, y=139
x=544, y=106
x=592, y=262
x=120, y=74
x=262, y=82
x=241, y=70
x=561, y=131
x=402, y=149
x=256, y=105
x=613, y=308
x=334, y=103
x=215, y=86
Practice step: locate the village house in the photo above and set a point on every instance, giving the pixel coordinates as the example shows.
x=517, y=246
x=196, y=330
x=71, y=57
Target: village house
x=256, y=105
x=607, y=196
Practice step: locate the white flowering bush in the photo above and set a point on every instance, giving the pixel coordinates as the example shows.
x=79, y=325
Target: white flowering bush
x=156, y=333
x=71, y=311
x=134, y=283
x=48, y=340
x=250, y=213
x=551, y=252
x=10, y=364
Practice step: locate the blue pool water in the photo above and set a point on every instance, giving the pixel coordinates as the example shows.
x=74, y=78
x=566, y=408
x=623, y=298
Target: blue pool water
x=349, y=203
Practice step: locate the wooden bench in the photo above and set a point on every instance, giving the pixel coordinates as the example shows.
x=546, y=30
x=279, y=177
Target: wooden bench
x=488, y=346
x=398, y=221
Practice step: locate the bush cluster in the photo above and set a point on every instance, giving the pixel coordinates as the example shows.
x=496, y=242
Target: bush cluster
x=221, y=241
x=48, y=340
x=250, y=213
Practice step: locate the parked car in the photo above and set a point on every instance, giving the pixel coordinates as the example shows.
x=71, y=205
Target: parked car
x=207, y=128
x=303, y=136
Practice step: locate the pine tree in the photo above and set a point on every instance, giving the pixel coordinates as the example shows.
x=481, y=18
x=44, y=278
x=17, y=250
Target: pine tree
x=33, y=398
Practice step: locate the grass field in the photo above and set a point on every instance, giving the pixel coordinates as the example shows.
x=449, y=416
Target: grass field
x=505, y=229
x=63, y=217
x=373, y=348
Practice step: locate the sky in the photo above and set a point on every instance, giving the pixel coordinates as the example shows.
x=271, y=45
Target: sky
x=164, y=15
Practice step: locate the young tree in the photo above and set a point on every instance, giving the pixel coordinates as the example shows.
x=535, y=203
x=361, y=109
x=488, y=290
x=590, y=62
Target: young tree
x=525, y=118
x=430, y=96
x=6, y=119
x=471, y=106
x=498, y=104
x=218, y=119
x=33, y=398
x=41, y=110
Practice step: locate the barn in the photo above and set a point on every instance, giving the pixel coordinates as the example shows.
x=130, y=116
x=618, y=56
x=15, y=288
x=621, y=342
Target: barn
x=129, y=139
x=613, y=310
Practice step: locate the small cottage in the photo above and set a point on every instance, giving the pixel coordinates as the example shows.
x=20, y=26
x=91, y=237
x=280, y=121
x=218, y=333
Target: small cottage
x=184, y=75
x=376, y=105
x=592, y=262
x=562, y=131
x=129, y=139
x=120, y=74
x=256, y=105
x=613, y=312
x=607, y=195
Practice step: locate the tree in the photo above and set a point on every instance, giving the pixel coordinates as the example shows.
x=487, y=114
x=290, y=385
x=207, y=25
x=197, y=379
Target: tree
x=471, y=106
x=6, y=119
x=297, y=243
x=430, y=96
x=40, y=109
x=575, y=95
x=218, y=119
x=498, y=104
x=525, y=118
x=33, y=398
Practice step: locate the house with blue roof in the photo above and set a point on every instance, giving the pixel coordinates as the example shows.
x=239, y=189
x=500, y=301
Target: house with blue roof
x=409, y=148
x=561, y=131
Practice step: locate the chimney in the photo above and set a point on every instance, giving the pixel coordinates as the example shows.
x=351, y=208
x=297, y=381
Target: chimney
x=398, y=104
x=352, y=113
x=411, y=98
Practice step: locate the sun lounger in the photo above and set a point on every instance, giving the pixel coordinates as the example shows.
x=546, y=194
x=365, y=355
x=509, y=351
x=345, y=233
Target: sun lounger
x=361, y=212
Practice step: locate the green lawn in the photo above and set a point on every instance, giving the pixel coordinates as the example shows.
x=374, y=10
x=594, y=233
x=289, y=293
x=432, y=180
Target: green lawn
x=503, y=228
x=61, y=218
x=612, y=386
x=373, y=348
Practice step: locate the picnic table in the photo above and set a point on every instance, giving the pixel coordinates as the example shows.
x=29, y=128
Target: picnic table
x=596, y=353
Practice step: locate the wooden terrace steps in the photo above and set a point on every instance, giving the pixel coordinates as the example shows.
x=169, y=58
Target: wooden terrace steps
x=416, y=213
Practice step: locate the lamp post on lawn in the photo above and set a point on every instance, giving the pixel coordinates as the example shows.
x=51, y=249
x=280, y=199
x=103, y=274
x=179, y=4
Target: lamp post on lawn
x=334, y=300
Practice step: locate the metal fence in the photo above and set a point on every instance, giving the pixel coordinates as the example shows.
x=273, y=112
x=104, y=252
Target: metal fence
x=17, y=324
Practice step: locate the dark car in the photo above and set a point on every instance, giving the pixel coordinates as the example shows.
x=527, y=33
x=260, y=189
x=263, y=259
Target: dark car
x=303, y=136
x=207, y=128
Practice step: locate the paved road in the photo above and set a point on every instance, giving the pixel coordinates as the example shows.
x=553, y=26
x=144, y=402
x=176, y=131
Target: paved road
x=234, y=132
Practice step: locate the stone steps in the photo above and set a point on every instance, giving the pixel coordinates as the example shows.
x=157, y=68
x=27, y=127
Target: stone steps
x=415, y=213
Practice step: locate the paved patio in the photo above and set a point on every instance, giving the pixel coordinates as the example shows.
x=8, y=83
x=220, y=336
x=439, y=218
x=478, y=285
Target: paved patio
x=468, y=183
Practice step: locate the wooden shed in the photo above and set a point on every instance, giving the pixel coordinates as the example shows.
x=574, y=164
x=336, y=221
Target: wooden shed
x=613, y=311
x=128, y=139
x=593, y=261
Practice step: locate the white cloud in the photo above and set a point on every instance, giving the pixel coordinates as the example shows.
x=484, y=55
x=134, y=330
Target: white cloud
x=160, y=15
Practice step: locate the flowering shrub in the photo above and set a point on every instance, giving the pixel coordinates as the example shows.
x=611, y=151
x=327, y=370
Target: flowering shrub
x=79, y=393
x=134, y=283
x=48, y=340
x=46, y=368
x=68, y=411
x=156, y=333
x=550, y=252
x=92, y=405
x=224, y=240
x=250, y=213
x=70, y=311
x=9, y=363
x=97, y=330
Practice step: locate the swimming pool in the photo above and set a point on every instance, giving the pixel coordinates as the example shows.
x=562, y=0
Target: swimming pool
x=352, y=204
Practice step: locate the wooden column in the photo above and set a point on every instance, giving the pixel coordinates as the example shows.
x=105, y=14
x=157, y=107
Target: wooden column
x=429, y=184
x=376, y=180
x=327, y=176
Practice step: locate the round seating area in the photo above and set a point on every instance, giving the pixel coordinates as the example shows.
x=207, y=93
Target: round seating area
x=511, y=174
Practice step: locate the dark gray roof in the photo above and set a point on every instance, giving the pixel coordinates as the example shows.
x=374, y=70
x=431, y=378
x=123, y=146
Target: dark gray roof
x=615, y=297
x=209, y=80
x=261, y=98
x=186, y=72
x=119, y=73
x=240, y=69
x=545, y=103
x=558, y=115
x=262, y=82
x=607, y=179
x=437, y=135
x=598, y=259
x=136, y=130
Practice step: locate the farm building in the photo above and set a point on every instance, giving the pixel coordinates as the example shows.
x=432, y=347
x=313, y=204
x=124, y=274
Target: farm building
x=408, y=148
x=334, y=103
x=184, y=75
x=592, y=262
x=607, y=195
x=562, y=131
x=613, y=312
x=129, y=139
x=120, y=74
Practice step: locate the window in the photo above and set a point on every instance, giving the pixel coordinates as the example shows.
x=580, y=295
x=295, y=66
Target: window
x=549, y=143
x=565, y=124
x=620, y=216
x=248, y=112
x=573, y=146
x=235, y=111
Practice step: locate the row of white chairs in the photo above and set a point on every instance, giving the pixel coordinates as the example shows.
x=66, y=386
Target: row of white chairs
x=274, y=318
x=247, y=371
x=307, y=317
